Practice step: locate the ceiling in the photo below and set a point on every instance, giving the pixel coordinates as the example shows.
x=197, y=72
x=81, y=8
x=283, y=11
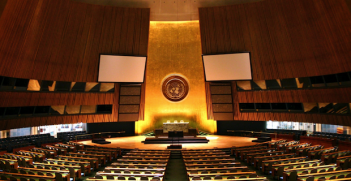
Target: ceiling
x=169, y=10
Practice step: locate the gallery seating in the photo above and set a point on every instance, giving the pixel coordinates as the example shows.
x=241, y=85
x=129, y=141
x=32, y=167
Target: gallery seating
x=304, y=151
x=151, y=165
x=299, y=161
x=219, y=167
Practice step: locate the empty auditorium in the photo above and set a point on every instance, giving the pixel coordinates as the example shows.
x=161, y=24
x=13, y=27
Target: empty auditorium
x=175, y=90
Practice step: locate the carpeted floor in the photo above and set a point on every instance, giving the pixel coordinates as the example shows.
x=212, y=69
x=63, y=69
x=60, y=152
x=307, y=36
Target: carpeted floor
x=176, y=170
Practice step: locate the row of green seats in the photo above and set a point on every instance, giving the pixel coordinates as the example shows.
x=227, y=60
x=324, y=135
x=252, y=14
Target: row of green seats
x=304, y=151
x=25, y=177
x=278, y=169
x=292, y=174
x=326, y=175
x=267, y=164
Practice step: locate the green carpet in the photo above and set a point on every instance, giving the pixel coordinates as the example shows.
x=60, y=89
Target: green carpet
x=176, y=170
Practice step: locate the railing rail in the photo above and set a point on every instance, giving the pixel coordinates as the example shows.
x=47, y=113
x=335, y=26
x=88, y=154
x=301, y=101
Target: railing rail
x=252, y=132
x=101, y=133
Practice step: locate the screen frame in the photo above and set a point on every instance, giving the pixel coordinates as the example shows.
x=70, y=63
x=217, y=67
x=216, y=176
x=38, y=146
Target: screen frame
x=203, y=63
x=125, y=55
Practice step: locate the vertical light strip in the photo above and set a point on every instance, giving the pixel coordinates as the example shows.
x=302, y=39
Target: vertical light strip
x=175, y=48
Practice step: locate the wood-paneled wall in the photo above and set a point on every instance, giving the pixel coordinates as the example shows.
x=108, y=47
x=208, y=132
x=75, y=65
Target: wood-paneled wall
x=2, y=6
x=61, y=40
x=51, y=120
x=344, y=120
x=13, y=99
x=287, y=39
x=330, y=95
x=333, y=95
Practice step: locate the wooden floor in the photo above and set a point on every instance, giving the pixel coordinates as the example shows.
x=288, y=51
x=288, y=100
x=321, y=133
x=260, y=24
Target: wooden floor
x=218, y=141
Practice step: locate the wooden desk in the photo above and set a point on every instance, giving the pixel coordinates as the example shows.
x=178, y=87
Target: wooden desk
x=222, y=174
x=230, y=164
x=79, y=146
x=94, y=162
x=108, y=155
x=18, y=176
x=115, y=152
x=266, y=164
x=128, y=175
x=85, y=163
x=258, y=160
x=64, y=173
x=316, y=176
x=28, y=159
x=136, y=169
x=294, y=173
x=238, y=179
x=146, y=157
x=314, y=154
x=207, y=156
x=101, y=158
x=147, y=154
x=214, y=161
x=70, y=148
x=60, y=150
x=134, y=160
x=126, y=178
x=13, y=163
x=250, y=158
x=278, y=169
x=51, y=153
x=147, y=164
x=239, y=169
x=203, y=153
x=30, y=153
x=150, y=151
x=77, y=168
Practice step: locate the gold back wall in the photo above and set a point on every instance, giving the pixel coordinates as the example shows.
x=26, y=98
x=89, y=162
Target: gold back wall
x=175, y=49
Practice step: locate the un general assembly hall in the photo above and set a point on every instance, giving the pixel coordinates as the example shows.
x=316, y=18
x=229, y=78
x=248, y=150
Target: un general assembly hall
x=175, y=90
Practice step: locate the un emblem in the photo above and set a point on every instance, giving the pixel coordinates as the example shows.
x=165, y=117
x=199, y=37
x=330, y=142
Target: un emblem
x=175, y=88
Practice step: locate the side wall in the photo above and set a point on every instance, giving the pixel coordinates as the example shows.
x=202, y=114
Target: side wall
x=128, y=127
x=223, y=126
x=287, y=39
x=61, y=41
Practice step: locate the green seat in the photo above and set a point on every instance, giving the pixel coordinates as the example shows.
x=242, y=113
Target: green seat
x=7, y=166
x=3, y=177
x=110, y=177
x=341, y=176
x=24, y=163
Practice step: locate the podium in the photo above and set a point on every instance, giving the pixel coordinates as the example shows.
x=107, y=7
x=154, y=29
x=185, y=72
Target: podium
x=167, y=127
x=191, y=132
x=175, y=135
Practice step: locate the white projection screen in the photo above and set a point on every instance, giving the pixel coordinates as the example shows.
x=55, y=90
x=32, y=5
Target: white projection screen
x=116, y=68
x=226, y=67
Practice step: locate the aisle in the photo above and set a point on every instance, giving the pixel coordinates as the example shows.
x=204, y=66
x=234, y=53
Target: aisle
x=176, y=170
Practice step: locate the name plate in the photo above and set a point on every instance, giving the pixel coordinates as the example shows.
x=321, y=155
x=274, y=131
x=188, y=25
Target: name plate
x=175, y=127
